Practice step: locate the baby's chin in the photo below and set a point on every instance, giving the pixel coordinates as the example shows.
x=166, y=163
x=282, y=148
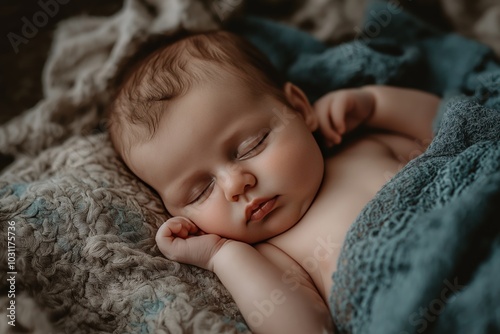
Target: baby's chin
x=250, y=239
x=262, y=238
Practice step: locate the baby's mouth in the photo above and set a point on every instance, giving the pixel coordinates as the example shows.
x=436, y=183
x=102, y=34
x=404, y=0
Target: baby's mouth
x=260, y=208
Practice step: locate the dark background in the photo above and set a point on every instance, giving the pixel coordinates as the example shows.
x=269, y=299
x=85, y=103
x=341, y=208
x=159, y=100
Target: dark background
x=20, y=73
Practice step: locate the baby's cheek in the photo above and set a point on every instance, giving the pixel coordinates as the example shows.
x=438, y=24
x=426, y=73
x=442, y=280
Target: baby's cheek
x=290, y=156
x=301, y=162
x=213, y=214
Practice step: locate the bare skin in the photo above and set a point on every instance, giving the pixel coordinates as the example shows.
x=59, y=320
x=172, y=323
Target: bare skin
x=276, y=261
x=352, y=177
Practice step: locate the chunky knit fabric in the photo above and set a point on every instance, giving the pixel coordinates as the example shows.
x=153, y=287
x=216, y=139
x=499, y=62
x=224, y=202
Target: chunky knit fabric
x=86, y=258
x=424, y=255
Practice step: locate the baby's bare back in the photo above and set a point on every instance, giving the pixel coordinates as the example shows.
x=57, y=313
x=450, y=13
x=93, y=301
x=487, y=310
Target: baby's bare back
x=352, y=178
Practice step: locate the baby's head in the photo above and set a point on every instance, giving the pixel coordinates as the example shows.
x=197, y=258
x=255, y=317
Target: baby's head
x=208, y=123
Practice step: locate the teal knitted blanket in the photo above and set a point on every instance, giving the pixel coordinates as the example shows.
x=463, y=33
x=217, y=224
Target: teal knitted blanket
x=424, y=255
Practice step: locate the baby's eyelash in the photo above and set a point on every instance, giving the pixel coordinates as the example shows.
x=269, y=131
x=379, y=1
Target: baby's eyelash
x=203, y=193
x=261, y=141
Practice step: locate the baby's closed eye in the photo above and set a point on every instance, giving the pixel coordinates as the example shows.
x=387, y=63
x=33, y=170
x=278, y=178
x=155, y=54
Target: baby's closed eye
x=252, y=147
x=204, y=193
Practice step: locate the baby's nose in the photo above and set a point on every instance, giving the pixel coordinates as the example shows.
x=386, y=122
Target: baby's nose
x=237, y=184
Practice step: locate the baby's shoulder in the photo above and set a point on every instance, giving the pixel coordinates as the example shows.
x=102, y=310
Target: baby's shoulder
x=372, y=144
x=400, y=147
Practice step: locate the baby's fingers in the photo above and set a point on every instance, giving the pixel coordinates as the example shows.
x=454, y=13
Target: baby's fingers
x=328, y=130
x=177, y=227
x=340, y=107
x=326, y=126
x=172, y=237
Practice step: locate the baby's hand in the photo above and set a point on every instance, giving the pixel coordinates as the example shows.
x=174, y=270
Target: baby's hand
x=342, y=111
x=181, y=240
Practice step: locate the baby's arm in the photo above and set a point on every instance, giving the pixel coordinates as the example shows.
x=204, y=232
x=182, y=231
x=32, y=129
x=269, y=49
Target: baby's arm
x=267, y=303
x=407, y=111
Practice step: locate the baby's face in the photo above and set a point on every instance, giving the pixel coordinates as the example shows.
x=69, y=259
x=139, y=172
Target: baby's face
x=242, y=167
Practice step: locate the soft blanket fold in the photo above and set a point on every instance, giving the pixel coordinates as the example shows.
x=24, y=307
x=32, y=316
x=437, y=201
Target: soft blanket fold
x=424, y=254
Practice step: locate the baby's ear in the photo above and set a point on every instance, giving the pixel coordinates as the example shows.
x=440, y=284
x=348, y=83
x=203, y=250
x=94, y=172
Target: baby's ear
x=298, y=100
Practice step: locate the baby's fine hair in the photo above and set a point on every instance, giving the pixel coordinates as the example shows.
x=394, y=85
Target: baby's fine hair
x=166, y=67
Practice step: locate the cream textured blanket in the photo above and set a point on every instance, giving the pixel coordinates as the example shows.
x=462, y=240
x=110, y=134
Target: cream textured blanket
x=86, y=259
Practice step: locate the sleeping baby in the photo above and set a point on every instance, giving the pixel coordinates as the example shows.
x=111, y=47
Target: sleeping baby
x=233, y=150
